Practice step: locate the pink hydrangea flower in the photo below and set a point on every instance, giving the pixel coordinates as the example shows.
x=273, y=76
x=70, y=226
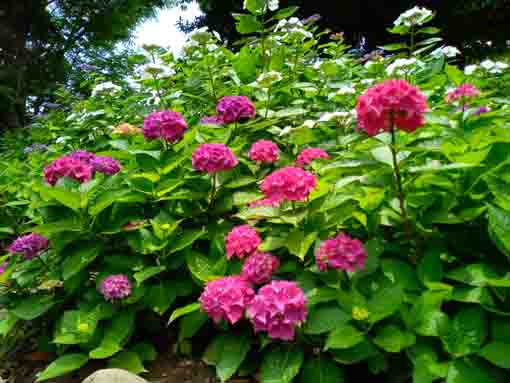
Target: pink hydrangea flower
x=265, y=202
x=342, y=253
x=3, y=267
x=83, y=156
x=68, y=167
x=212, y=120
x=115, y=287
x=226, y=298
x=106, y=165
x=235, y=108
x=392, y=102
x=213, y=158
x=242, y=241
x=30, y=245
x=260, y=267
x=278, y=308
x=264, y=151
x=290, y=183
x=166, y=124
x=307, y=156
x=462, y=93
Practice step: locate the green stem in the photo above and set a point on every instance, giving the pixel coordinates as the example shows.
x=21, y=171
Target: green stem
x=268, y=100
x=411, y=48
x=211, y=79
x=214, y=182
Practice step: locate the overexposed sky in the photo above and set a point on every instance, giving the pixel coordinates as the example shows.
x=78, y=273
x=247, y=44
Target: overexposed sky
x=163, y=29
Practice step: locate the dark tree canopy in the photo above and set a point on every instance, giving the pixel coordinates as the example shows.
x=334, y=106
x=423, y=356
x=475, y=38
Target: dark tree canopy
x=46, y=42
x=465, y=23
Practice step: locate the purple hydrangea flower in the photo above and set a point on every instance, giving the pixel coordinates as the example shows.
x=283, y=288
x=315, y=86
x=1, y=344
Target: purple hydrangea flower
x=115, y=287
x=29, y=245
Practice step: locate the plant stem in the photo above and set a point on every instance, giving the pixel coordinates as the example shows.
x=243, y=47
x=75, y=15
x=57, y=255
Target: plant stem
x=268, y=100
x=398, y=182
x=211, y=79
x=411, y=48
x=214, y=180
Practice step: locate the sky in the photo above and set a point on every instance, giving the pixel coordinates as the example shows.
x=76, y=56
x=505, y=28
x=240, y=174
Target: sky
x=163, y=30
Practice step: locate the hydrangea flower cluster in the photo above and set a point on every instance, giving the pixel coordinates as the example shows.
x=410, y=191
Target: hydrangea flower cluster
x=264, y=151
x=235, y=108
x=226, y=298
x=414, y=17
x=242, y=241
x=307, y=156
x=341, y=253
x=30, y=245
x=115, y=287
x=68, y=167
x=212, y=120
x=35, y=148
x=290, y=184
x=259, y=268
x=167, y=125
x=277, y=309
x=265, y=202
x=213, y=158
x=105, y=87
x=80, y=166
x=393, y=103
x=463, y=93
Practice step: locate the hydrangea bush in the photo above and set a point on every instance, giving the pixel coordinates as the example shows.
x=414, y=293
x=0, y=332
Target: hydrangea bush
x=311, y=215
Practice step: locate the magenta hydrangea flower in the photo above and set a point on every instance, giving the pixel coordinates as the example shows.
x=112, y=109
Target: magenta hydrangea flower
x=115, y=287
x=3, y=267
x=482, y=110
x=264, y=151
x=212, y=120
x=235, y=108
x=30, y=245
x=265, y=202
x=277, y=309
x=167, y=124
x=213, y=158
x=83, y=156
x=290, y=183
x=393, y=102
x=226, y=298
x=463, y=93
x=260, y=267
x=106, y=165
x=68, y=167
x=341, y=253
x=307, y=156
x=242, y=241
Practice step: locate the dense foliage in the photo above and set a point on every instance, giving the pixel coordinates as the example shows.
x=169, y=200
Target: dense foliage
x=310, y=217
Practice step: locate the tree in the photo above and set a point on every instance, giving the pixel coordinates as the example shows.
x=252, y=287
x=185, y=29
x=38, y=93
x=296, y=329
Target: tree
x=43, y=42
x=467, y=24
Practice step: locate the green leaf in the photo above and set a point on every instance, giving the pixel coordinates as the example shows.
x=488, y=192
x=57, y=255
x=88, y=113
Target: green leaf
x=429, y=30
x=359, y=352
x=33, y=307
x=8, y=323
x=479, y=275
x=470, y=370
x=109, y=197
x=499, y=221
x=384, y=303
x=401, y=273
x=227, y=352
x=257, y=7
x=116, y=334
x=145, y=351
x=187, y=239
x=160, y=297
x=281, y=364
x=204, y=268
x=498, y=353
x=395, y=47
x=299, y=244
x=285, y=13
x=147, y=273
x=62, y=366
x=78, y=256
x=322, y=369
x=189, y=325
x=72, y=200
x=247, y=24
x=344, y=336
x=325, y=318
x=64, y=225
x=466, y=333
x=129, y=361
x=188, y=309
x=393, y=339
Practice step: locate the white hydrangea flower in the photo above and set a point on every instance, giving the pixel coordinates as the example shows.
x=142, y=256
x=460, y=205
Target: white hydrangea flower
x=211, y=47
x=108, y=86
x=63, y=139
x=488, y=64
x=200, y=35
x=265, y=80
x=308, y=124
x=342, y=117
x=367, y=81
x=217, y=35
x=317, y=64
x=413, y=17
x=493, y=67
x=448, y=51
x=152, y=71
x=273, y=5
x=401, y=67
x=470, y=69
x=285, y=24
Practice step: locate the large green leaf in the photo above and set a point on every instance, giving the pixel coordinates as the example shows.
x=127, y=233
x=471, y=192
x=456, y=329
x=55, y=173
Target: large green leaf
x=62, y=366
x=181, y=311
x=499, y=221
x=116, y=334
x=129, y=361
x=8, y=323
x=392, y=339
x=325, y=318
x=78, y=256
x=471, y=370
x=321, y=369
x=186, y=239
x=189, y=325
x=71, y=199
x=466, y=332
x=498, y=353
x=227, y=352
x=480, y=275
x=148, y=272
x=33, y=307
x=344, y=336
x=281, y=364
x=205, y=268
x=109, y=197
x=401, y=273
x=298, y=243
x=159, y=297
x=256, y=7
x=384, y=303
x=247, y=24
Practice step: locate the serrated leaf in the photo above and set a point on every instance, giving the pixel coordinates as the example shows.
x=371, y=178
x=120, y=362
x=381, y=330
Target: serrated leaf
x=281, y=364
x=325, y=318
x=159, y=297
x=498, y=353
x=466, y=332
x=247, y=24
x=62, y=366
x=384, y=303
x=226, y=353
x=33, y=307
x=79, y=256
x=393, y=339
x=183, y=311
x=186, y=240
x=115, y=335
x=322, y=369
x=129, y=361
x=147, y=273
x=344, y=336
